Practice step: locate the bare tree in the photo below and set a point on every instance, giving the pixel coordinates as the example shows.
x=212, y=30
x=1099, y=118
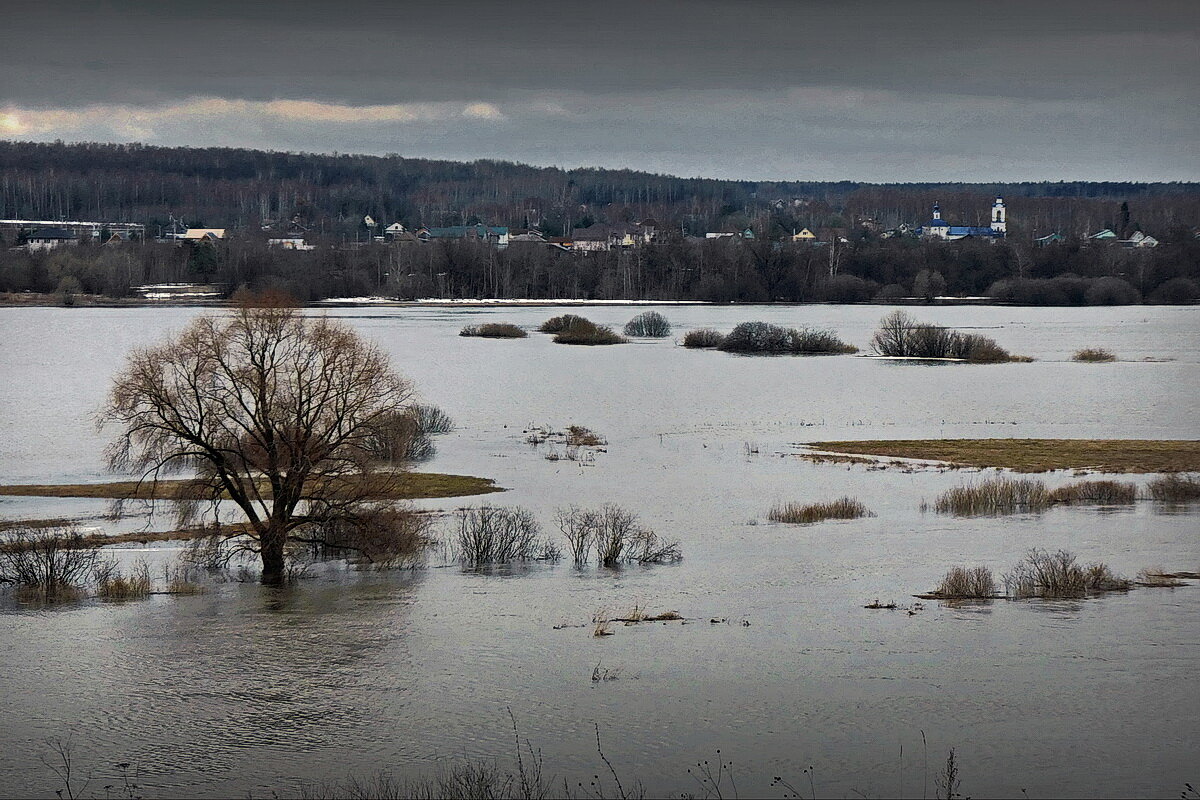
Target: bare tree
x=283, y=414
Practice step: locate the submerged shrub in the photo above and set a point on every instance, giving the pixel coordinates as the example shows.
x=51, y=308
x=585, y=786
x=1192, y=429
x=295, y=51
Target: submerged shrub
x=842, y=508
x=649, y=323
x=1175, y=488
x=47, y=563
x=579, y=436
x=384, y=535
x=763, y=337
x=615, y=536
x=899, y=335
x=703, y=337
x=1093, y=354
x=407, y=435
x=1102, y=493
x=1056, y=575
x=968, y=583
x=489, y=535
x=560, y=323
x=995, y=496
x=494, y=330
x=588, y=333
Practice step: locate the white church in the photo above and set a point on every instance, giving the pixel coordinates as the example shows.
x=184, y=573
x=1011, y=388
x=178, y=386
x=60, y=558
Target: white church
x=938, y=228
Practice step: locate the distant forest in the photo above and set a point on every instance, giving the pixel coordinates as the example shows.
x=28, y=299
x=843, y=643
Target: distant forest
x=253, y=193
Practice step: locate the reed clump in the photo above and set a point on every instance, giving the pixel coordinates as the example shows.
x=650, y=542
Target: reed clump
x=968, y=584
x=703, y=337
x=1100, y=493
x=494, y=330
x=1174, y=488
x=1001, y=495
x=763, y=337
x=900, y=335
x=842, y=508
x=1093, y=354
x=560, y=323
x=648, y=324
x=489, y=535
x=112, y=583
x=586, y=332
x=1057, y=575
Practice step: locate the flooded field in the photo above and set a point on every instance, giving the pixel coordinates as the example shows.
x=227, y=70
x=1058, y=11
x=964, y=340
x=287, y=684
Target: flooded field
x=249, y=690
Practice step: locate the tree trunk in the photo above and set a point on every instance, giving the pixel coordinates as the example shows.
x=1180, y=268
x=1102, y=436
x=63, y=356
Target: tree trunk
x=271, y=544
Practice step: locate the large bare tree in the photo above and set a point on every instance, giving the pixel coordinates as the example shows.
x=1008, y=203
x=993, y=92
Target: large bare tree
x=285, y=415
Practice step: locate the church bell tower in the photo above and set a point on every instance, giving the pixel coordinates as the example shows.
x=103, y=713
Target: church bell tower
x=999, y=217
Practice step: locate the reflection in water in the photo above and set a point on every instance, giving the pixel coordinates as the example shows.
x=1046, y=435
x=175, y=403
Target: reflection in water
x=251, y=689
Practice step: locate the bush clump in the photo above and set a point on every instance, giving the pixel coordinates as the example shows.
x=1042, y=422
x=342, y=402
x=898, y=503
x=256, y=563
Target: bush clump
x=1098, y=354
x=490, y=535
x=995, y=496
x=1174, y=488
x=587, y=332
x=961, y=582
x=1101, y=493
x=703, y=337
x=899, y=335
x=649, y=324
x=47, y=564
x=560, y=323
x=494, y=330
x=1056, y=575
x=615, y=536
x=842, y=508
x=763, y=337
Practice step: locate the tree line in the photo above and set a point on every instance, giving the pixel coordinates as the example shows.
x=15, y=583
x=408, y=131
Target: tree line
x=864, y=268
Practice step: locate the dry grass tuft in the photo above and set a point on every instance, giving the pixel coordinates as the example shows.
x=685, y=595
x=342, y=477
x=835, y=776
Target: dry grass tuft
x=1158, y=578
x=703, y=337
x=1093, y=354
x=1174, y=488
x=560, y=323
x=995, y=496
x=494, y=330
x=113, y=584
x=1056, y=575
x=964, y=583
x=1100, y=493
x=579, y=436
x=842, y=508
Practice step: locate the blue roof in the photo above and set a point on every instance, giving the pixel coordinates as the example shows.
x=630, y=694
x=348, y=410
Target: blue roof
x=937, y=223
x=970, y=230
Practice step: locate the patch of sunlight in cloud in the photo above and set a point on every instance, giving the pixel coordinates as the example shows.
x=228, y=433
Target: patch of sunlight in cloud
x=145, y=122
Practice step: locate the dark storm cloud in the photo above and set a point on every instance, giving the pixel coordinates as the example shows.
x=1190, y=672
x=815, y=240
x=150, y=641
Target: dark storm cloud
x=751, y=89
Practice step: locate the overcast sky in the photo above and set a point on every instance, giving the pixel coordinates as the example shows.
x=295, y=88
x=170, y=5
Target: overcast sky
x=755, y=89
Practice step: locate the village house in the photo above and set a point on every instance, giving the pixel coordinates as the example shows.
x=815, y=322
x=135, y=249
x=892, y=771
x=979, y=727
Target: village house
x=49, y=239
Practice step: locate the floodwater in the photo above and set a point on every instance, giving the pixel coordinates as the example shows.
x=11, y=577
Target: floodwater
x=247, y=690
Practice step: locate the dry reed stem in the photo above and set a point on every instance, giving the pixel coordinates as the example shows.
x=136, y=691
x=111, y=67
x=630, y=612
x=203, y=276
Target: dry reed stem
x=797, y=513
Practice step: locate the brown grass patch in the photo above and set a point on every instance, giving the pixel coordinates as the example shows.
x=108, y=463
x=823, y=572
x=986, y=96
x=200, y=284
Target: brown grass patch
x=1038, y=455
x=961, y=583
x=842, y=508
x=410, y=486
